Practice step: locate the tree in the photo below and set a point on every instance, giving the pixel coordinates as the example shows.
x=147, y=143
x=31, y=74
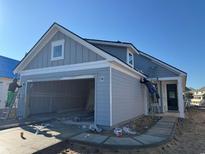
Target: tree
x=204, y=96
x=189, y=95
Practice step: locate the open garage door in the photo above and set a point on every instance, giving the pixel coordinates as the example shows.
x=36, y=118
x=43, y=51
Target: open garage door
x=61, y=96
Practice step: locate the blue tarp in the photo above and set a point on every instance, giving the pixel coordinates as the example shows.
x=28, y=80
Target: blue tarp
x=7, y=66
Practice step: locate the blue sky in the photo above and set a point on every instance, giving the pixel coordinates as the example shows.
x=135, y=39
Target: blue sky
x=171, y=30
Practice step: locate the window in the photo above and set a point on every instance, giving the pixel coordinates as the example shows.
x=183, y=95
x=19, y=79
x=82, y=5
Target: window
x=57, y=50
x=130, y=58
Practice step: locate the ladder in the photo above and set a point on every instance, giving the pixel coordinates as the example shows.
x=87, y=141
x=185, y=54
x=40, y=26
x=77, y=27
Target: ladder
x=154, y=105
x=7, y=111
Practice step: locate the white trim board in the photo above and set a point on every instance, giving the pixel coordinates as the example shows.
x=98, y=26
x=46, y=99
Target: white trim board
x=111, y=96
x=133, y=59
x=64, y=68
x=81, y=66
x=76, y=77
x=183, y=78
x=165, y=78
x=53, y=45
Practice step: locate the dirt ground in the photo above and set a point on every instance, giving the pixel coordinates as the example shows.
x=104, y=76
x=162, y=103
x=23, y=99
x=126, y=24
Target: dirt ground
x=189, y=139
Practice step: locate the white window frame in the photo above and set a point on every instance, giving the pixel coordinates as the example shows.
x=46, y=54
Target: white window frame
x=54, y=44
x=129, y=52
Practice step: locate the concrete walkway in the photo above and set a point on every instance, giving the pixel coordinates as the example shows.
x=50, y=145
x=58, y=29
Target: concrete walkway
x=56, y=132
x=160, y=133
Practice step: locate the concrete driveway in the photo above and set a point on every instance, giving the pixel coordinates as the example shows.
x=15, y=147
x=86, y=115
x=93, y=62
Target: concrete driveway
x=11, y=141
x=56, y=131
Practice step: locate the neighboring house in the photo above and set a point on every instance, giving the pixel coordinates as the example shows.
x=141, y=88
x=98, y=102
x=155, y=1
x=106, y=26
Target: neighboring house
x=188, y=95
x=63, y=71
x=197, y=97
x=6, y=76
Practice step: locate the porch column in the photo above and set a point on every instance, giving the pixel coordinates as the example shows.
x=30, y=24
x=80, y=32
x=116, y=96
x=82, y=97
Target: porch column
x=180, y=97
x=145, y=101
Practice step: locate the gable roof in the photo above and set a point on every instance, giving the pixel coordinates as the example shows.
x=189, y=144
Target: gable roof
x=6, y=67
x=128, y=44
x=47, y=36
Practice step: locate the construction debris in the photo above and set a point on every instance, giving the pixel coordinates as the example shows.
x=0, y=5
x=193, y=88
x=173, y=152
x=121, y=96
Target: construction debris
x=128, y=130
x=94, y=128
x=118, y=132
x=39, y=128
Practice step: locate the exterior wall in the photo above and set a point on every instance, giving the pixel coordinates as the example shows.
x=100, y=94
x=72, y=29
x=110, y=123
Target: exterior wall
x=127, y=97
x=74, y=53
x=152, y=69
x=4, y=83
x=141, y=62
x=102, y=89
x=119, y=52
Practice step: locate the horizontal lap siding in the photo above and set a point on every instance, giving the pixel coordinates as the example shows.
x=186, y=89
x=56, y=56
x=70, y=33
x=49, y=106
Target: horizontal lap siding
x=127, y=97
x=74, y=53
x=102, y=91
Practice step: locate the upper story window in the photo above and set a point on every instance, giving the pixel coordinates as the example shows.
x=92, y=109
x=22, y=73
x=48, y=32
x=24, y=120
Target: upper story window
x=57, y=50
x=130, y=58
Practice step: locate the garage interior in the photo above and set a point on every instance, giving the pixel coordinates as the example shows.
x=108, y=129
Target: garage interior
x=72, y=99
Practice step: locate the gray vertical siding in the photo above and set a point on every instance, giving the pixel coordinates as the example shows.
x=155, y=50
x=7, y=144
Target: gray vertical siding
x=119, y=52
x=102, y=92
x=74, y=53
x=127, y=97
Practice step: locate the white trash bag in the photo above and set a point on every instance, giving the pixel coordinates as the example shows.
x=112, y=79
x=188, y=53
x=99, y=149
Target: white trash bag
x=94, y=128
x=118, y=132
x=127, y=130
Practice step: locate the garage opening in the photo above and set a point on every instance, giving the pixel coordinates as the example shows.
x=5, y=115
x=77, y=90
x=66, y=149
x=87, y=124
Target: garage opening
x=73, y=98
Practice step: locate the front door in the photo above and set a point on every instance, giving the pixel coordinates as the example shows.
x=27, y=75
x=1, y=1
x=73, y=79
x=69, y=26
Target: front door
x=172, y=99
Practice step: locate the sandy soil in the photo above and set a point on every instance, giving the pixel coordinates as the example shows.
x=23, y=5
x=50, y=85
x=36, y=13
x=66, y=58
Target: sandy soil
x=189, y=139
